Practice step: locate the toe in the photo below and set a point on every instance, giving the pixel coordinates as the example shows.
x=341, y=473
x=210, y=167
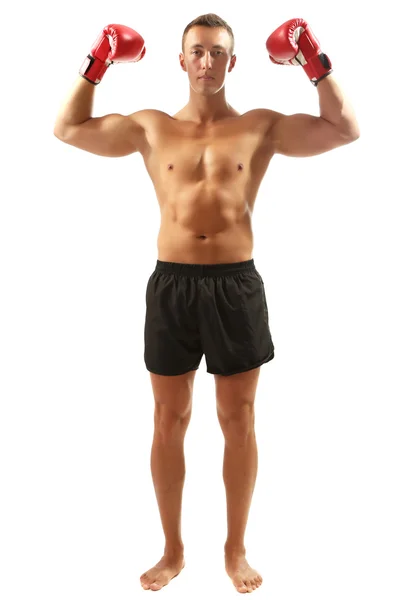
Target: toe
x=240, y=586
x=155, y=586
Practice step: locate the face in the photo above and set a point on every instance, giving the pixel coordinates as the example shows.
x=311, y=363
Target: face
x=202, y=57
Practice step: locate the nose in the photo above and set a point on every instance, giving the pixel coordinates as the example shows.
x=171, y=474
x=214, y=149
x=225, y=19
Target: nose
x=206, y=63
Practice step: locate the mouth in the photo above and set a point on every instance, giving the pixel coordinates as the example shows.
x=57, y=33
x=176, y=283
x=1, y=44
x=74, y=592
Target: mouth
x=206, y=78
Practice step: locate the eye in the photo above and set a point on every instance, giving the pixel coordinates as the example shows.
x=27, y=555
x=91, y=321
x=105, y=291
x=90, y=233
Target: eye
x=218, y=51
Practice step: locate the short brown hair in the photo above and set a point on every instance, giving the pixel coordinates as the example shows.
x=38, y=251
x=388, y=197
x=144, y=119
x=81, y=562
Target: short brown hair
x=209, y=20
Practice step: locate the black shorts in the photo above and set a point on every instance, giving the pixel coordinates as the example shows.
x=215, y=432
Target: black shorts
x=219, y=310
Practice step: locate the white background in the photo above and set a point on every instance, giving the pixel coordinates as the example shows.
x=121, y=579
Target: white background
x=78, y=514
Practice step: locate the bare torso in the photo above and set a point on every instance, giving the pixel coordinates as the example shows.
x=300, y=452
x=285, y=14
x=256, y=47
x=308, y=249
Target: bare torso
x=206, y=179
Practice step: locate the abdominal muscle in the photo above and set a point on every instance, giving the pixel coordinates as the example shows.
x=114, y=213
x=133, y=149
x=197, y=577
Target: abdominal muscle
x=204, y=224
x=185, y=244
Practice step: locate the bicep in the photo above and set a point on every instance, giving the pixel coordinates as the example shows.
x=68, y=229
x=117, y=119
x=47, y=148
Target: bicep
x=304, y=135
x=112, y=135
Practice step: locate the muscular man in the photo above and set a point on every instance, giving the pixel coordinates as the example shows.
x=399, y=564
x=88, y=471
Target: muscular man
x=205, y=295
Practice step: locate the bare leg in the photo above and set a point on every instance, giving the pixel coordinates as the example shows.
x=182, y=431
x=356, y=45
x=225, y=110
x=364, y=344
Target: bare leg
x=235, y=408
x=168, y=472
x=240, y=472
x=173, y=397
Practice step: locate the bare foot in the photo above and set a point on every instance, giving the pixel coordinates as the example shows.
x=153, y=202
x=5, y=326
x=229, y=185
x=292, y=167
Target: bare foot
x=244, y=578
x=160, y=575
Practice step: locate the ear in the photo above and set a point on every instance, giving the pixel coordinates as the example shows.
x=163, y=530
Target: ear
x=232, y=63
x=182, y=61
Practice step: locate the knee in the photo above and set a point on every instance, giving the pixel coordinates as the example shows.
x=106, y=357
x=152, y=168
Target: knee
x=237, y=425
x=169, y=424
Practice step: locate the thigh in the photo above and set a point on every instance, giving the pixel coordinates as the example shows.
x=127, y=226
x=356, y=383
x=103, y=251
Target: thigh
x=236, y=393
x=173, y=394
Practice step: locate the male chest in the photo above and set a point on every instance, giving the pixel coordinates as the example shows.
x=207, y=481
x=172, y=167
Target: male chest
x=219, y=152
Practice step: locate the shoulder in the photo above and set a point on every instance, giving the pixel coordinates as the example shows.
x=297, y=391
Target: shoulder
x=148, y=117
x=149, y=124
x=263, y=118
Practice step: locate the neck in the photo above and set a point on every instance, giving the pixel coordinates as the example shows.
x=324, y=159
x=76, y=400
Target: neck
x=206, y=109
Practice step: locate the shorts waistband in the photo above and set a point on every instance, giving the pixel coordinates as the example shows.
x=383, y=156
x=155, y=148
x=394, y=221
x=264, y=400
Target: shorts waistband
x=213, y=270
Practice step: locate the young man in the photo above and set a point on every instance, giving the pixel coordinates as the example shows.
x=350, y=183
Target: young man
x=205, y=296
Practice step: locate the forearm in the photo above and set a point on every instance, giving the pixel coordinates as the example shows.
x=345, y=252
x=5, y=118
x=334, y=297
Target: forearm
x=78, y=106
x=335, y=108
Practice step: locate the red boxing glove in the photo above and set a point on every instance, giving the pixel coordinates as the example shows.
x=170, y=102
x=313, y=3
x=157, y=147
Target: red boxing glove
x=123, y=45
x=293, y=43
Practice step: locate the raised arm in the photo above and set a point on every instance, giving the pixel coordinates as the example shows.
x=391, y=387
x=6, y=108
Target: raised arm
x=307, y=135
x=109, y=135
x=294, y=44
